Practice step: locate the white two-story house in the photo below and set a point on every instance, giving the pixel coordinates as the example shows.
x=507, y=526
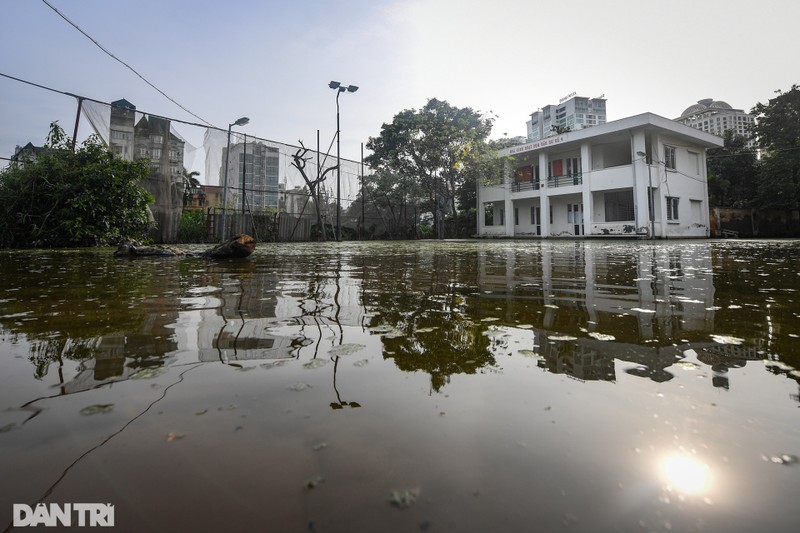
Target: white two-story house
x=639, y=176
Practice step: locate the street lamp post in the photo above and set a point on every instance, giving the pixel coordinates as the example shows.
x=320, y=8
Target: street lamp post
x=339, y=88
x=651, y=208
x=240, y=122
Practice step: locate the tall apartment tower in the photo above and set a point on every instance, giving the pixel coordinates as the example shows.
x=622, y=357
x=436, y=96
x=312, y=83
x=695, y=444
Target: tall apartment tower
x=572, y=113
x=716, y=117
x=257, y=166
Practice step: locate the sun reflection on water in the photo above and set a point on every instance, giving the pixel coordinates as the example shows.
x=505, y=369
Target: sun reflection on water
x=685, y=474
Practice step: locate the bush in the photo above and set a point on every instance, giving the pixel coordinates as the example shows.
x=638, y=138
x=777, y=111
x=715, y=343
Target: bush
x=59, y=198
x=192, y=226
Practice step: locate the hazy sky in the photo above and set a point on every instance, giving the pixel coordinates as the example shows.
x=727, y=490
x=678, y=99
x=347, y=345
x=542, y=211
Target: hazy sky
x=272, y=61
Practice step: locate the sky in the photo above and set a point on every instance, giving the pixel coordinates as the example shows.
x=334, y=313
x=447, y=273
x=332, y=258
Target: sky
x=271, y=61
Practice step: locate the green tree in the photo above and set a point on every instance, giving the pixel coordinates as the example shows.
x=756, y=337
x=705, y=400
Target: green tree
x=431, y=147
x=732, y=173
x=61, y=198
x=778, y=131
x=190, y=185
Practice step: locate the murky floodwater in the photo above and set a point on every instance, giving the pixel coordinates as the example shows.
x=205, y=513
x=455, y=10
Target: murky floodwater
x=454, y=386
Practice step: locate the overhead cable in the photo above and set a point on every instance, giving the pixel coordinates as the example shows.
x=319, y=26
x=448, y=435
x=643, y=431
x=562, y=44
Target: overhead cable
x=104, y=49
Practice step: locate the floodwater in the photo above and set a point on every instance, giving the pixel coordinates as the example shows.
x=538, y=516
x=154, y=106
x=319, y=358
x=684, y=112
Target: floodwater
x=408, y=386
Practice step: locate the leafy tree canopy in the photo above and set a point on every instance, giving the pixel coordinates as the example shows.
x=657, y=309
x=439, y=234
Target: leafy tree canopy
x=432, y=148
x=732, y=173
x=778, y=131
x=61, y=198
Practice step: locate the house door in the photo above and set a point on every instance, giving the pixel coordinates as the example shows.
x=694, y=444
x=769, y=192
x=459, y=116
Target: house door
x=575, y=217
x=536, y=219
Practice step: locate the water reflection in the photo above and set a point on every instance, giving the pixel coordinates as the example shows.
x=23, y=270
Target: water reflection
x=450, y=309
x=487, y=374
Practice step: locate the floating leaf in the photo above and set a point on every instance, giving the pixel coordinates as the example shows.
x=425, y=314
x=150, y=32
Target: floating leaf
x=316, y=363
x=174, y=435
x=299, y=386
x=148, y=373
x=403, y=499
x=361, y=362
x=95, y=409
x=345, y=349
x=311, y=484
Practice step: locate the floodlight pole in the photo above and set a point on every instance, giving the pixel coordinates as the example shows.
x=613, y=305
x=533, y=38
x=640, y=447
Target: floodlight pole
x=240, y=122
x=339, y=88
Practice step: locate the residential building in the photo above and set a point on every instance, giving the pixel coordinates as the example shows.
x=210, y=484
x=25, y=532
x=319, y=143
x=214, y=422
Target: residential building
x=151, y=138
x=257, y=166
x=29, y=152
x=572, y=113
x=640, y=176
x=716, y=116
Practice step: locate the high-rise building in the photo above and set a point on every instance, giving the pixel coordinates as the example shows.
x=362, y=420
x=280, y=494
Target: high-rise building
x=716, y=116
x=572, y=113
x=258, y=165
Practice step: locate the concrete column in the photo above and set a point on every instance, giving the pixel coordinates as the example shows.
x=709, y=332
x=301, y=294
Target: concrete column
x=640, y=181
x=509, y=213
x=544, y=198
x=588, y=206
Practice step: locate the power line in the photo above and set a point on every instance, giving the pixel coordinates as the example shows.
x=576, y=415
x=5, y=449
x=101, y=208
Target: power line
x=104, y=49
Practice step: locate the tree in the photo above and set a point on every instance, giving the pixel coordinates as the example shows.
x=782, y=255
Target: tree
x=59, y=198
x=732, y=173
x=190, y=185
x=299, y=161
x=778, y=131
x=431, y=147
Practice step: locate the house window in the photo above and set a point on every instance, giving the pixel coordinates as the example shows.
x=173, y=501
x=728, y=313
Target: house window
x=694, y=162
x=117, y=135
x=669, y=157
x=157, y=138
x=488, y=211
x=155, y=153
x=672, y=208
x=619, y=206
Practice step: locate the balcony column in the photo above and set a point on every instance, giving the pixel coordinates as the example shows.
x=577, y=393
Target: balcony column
x=544, y=199
x=586, y=192
x=640, y=184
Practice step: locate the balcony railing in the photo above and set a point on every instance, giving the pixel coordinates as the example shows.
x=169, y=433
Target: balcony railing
x=565, y=181
x=519, y=186
x=553, y=181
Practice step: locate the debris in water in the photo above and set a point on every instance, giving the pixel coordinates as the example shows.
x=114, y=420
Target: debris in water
x=345, y=349
x=204, y=411
x=403, y=499
x=148, y=373
x=640, y=310
x=94, y=409
x=315, y=363
x=174, y=435
x=312, y=484
x=299, y=386
x=562, y=338
x=320, y=446
x=490, y=319
x=361, y=362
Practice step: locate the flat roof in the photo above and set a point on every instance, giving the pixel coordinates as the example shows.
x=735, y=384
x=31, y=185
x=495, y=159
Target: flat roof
x=644, y=120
